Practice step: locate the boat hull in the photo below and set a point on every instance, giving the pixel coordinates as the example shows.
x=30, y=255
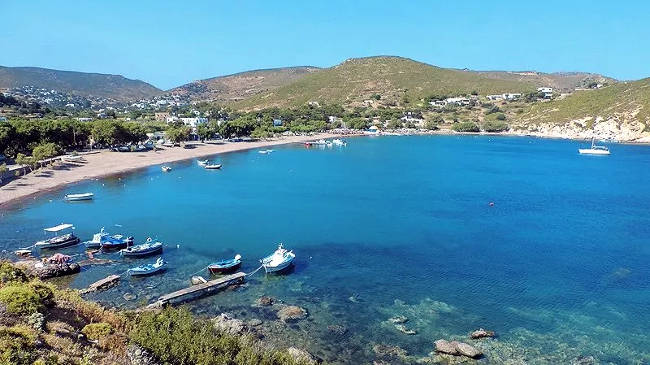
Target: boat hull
x=69, y=242
x=589, y=151
x=80, y=197
x=279, y=268
x=146, y=273
x=143, y=253
x=217, y=269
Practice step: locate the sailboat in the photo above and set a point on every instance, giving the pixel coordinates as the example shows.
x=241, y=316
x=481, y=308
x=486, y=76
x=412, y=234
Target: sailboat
x=594, y=150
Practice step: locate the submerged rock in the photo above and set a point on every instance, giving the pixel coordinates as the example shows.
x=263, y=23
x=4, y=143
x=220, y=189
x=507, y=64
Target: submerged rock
x=128, y=296
x=265, y=301
x=389, y=351
x=584, y=360
x=402, y=328
x=337, y=329
x=446, y=347
x=292, y=313
x=301, y=355
x=398, y=319
x=226, y=323
x=468, y=350
x=457, y=348
x=481, y=333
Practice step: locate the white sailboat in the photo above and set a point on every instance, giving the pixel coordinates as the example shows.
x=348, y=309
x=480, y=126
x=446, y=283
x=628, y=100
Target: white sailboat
x=595, y=149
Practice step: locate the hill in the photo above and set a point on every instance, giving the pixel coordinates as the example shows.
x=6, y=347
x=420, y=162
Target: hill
x=620, y=111
x=79, y=83
x=241, y=85
x=394, y=79
x=561, y=81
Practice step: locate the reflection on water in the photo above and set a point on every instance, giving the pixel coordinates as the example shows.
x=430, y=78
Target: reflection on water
x=392, y=227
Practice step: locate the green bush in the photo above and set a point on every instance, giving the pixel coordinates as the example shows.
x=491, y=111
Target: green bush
x=26, y=298
x=430, y=125
x=17, y=345
x=465, y=127
x=96, y=331
x=495, y=126
x=9, y=274
x=175, y=337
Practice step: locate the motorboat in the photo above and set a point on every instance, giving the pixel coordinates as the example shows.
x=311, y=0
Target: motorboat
x=212, y=166
x=115, y=242
x=57, y=241
x=339, y=142
x=203, y=162
x=225, y=266
x=148, y=269
x=278, y=260
x=78, y=197
x=166, y=169
x=595, y=149
x=102, y=236
x=148, y=248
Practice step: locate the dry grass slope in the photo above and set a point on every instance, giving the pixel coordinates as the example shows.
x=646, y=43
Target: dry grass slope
x=356, y=80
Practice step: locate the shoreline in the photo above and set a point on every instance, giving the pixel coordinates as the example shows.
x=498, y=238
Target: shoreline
x=108, y=163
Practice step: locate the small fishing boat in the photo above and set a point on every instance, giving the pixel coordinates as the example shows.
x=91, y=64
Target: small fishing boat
x=103, y=236
x=339, y=142
x=264, y=152
x=278, y=260
x=203, y=162
x=320, y=142
x=145, y=249
x=212, y=166
x=115, y=242
x=225, y=266
x=78, y=197
x=166, y=169
x=57, y=241
x=594, y=150
x=148, y=269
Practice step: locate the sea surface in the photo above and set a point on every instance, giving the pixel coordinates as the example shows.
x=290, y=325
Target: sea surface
x=558, y=265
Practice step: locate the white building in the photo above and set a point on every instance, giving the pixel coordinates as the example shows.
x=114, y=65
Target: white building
x=458, y=101
x=547, y=92
x=514, y=96
x=193, y=122
x=495, y=97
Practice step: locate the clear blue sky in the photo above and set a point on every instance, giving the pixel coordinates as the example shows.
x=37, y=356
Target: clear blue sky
x=168, y=43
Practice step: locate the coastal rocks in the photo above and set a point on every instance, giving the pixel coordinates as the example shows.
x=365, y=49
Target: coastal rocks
x=457, y=348
x=254, y=322
x=265, y=301
x=139, y=356
x=481, y=333
x=389, y=351
x=128, y=296
x=226, y=323
x=292, y=313
x=47, y=271
x=398, y=319
x=301, y=355
x=402, y=328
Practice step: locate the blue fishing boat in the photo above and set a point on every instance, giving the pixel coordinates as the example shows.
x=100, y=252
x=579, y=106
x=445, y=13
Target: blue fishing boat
x=103, y=236
x=278, y=260
x=225, y=266
x=115, y=242
x=148, y=269
x=145, y=249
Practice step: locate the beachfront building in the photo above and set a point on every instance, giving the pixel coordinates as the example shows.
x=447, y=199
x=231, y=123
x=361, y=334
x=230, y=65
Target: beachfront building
x=411, y=117
x=545, y=92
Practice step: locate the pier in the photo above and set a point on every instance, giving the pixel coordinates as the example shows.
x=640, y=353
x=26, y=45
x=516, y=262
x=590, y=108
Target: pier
x=199, y=290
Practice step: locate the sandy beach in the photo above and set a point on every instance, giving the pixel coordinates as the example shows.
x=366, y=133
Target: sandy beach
x=107, y=163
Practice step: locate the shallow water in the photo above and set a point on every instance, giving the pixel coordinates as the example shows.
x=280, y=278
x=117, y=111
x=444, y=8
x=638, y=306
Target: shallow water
x=396, y=225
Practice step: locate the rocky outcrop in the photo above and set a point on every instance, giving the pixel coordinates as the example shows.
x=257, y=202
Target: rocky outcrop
x=292, y=313
x=47, y=271
x=301, y=355
x=398, y=319
x=481, y=333
x=265, y=301
x=226, y=323
x=614, y=128
x=457, y=348
x=139, y=356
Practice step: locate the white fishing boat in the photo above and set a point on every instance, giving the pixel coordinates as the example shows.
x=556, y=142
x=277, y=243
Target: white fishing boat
x=264, y=152
x=77, y=197
x=212, y=166
x=203, y=162
x=278, y=260
x=595, y=149
x=166, y=169
x=339, y=142
x=100, y=238
x=57, y=241
x=148, y=269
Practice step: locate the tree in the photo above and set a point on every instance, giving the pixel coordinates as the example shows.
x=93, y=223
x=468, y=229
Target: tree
x=45, y=151
x=178, y=135
x=25, y=161
x=431, y=125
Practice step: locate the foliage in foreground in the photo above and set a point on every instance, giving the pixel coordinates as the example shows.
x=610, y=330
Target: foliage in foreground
x=176, y=337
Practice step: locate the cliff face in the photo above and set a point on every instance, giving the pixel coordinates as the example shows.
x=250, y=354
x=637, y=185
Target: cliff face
x=619, y=129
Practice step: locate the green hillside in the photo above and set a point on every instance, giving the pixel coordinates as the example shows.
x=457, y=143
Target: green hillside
x=79, y=83
x=626, y=100
x=391, y=78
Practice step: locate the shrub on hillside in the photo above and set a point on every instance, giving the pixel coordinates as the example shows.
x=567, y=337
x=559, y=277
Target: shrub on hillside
x=17, y=345
x=96, y=331
x=465, y=127
x=10, y=273
x=430, y=125
x=26, y=298
x=496, y=126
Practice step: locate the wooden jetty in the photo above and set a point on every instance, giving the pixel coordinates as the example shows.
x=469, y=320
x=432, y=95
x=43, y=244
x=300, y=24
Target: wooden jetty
x=199, y=289
x=103, y=284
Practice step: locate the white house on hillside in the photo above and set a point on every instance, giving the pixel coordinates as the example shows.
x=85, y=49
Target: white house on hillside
x=547, y=92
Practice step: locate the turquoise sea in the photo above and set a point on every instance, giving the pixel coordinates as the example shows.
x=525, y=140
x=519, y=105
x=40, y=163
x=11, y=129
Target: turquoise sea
x=558, y=266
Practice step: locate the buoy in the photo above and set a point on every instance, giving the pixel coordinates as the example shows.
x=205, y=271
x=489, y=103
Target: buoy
x=491, y=204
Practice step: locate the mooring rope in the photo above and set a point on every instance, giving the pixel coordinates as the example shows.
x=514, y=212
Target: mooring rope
x=256, y=270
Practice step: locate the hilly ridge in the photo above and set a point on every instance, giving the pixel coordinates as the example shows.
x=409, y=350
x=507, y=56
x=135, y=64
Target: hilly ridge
x=79, y=83
x=560, y=81
x=394, y=79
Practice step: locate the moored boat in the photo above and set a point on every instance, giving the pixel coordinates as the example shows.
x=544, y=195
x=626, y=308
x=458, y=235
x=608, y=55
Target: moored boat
x=77, y=197
x=57, y=241
x=339, y=142
x=102, y=236
x=145, y=249
x=115, y=242
x=166, y=169
x=594, y=149
x=225, y=266
x=278, y=260
x=202, y=162
x=148, y=269
x=212, y=166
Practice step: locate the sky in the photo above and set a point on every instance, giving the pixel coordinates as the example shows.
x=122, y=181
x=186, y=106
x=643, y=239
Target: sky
x=170, y=43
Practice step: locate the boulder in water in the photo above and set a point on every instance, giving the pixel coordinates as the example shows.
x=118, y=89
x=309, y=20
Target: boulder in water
x=292, y=313
x=446, y=347
x=468, y=350
x=398, y=319
x=457, y=348
x=481, y=333
x=226, y=323
x=265, y=301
